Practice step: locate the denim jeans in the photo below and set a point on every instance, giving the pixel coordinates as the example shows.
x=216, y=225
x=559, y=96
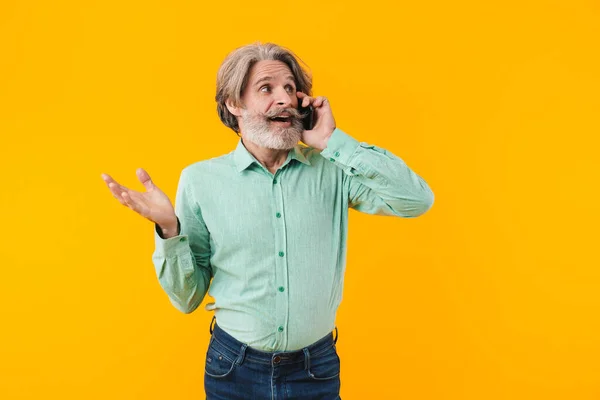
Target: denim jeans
x=234, y=371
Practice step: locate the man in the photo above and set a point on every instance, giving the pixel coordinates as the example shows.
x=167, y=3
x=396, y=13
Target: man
x=268, y=224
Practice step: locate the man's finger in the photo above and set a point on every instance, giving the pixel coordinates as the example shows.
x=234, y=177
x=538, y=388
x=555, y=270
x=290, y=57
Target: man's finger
x=115, y=185
x=319, y=101
x=108, y=180
x=129, y=201
x=120, y=199
x=307, y=101
x=144, y=177
x=116, y=189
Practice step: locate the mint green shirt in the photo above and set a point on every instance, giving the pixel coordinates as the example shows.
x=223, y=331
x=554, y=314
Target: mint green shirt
x=274, y=245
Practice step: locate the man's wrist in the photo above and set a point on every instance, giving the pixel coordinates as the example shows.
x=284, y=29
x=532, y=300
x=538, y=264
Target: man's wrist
x=324, y=141
x=170, y=229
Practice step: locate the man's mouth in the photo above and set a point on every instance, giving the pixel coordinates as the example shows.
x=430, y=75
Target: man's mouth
x=280, y=118
x=284, y=120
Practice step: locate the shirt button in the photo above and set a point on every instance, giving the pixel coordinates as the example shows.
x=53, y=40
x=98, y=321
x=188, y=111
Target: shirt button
x=280, y=329
x=274, y=181
x=281, y=254
x=281, y=288
x=337, y=154
x=278, y=215
x=182, y=239
x=332, y=159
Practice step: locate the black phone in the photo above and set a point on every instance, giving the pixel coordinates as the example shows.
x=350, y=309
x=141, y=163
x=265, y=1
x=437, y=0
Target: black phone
x=308, y=121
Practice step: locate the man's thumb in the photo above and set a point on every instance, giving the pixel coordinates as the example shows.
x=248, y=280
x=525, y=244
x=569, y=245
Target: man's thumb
x=144, y=178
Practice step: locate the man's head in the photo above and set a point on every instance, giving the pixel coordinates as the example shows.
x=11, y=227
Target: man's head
x=256, y=94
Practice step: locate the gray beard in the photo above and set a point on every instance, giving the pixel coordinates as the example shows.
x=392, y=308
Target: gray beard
x=257, y=129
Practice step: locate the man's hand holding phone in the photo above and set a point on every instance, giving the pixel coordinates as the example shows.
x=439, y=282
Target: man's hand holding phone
x=324, y=123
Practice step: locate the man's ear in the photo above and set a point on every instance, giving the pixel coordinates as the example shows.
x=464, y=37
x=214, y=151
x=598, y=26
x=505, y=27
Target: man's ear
x=235, y=110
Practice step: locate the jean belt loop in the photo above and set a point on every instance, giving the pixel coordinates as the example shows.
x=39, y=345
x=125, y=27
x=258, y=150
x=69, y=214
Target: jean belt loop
x=240, y=358
x=211, y=324
x=306, y=359
x=336, y=336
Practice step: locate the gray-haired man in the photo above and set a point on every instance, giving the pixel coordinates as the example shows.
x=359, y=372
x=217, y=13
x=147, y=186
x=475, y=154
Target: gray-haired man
x=268, y=224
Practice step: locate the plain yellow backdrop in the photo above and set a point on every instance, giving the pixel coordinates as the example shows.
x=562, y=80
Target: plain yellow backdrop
x=493, y=294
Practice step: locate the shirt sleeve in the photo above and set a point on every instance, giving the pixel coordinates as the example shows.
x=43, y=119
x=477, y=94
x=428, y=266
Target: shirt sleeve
x=378, y=182
x=182, y=262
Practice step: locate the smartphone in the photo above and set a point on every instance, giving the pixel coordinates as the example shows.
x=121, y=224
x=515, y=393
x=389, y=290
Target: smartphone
x=308, y=120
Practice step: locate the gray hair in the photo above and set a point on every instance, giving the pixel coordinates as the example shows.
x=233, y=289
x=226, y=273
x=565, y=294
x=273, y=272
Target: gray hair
x=234, y=72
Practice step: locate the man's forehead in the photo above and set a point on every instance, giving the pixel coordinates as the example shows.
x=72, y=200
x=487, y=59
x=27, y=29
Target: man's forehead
x=266, y=70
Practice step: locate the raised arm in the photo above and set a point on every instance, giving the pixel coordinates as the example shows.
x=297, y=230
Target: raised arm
x=377, y=181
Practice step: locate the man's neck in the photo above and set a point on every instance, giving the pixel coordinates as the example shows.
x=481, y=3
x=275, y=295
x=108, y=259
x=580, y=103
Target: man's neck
x=271, y=159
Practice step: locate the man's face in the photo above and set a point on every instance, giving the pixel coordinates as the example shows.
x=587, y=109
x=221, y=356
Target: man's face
x=270, y=117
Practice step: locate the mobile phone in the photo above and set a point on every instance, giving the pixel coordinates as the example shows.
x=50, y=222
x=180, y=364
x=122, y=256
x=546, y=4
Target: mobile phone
x=308, y=112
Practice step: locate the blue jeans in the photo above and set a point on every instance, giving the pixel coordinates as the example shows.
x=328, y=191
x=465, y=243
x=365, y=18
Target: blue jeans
x=234, y=371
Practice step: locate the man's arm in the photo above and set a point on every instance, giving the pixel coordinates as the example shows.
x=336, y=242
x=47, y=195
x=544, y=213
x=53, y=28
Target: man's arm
x=182, y=262
x=378, y=182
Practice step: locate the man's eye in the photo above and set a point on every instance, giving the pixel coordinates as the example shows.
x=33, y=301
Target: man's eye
x=264, y=89
x=290, y=89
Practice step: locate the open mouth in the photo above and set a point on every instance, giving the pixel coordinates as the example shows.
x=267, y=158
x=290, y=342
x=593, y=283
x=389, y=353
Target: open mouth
x=281, y=119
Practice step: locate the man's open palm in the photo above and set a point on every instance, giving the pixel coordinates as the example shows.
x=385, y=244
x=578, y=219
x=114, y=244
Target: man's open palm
x=153, y=204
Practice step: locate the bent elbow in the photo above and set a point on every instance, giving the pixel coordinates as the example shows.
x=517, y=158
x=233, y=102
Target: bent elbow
x=184, y=307
x=416, y=207
x=427, y=203
x=187, y=310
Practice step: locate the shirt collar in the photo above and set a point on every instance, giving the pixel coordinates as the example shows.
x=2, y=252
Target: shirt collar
x=243, y=159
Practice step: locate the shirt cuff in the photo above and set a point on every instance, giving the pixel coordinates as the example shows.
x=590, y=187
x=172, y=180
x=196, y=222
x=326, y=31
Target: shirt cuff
x=340, y=147
x=170, y=245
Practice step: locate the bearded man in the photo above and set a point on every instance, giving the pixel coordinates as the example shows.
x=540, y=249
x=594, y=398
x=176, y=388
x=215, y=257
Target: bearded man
x=263, y=229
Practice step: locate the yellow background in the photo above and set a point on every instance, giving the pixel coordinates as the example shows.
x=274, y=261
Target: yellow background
x=493, y=294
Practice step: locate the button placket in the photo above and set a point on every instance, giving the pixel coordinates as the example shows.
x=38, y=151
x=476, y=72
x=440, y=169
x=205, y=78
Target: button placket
x=281, y=271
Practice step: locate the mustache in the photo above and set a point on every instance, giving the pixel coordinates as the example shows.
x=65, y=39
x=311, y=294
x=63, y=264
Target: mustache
x=293, y=112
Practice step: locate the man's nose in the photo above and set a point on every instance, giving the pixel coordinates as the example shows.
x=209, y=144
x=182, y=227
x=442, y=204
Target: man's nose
x=283, y=98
